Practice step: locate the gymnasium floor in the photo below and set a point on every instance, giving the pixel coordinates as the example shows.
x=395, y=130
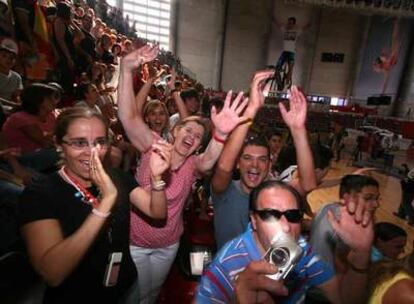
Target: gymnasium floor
x=390, y=191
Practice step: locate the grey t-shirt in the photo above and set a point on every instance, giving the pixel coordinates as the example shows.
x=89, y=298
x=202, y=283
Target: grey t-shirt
x=324, y=241
x=9, y=84
x=231, y=213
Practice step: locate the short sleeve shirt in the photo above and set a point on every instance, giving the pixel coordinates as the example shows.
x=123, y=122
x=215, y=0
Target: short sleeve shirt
x=217, y=283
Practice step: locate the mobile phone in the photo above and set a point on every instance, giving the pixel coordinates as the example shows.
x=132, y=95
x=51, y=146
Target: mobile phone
x=112, y=269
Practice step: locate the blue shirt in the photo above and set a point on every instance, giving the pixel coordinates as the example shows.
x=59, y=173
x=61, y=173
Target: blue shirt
x=231, y=213
x=217, y=283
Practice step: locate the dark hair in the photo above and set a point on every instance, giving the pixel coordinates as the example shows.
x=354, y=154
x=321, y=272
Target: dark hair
x=82, y=90
x=272, y=133
x=66, y=118
x=387, y=231
x=355, y=183
x=63, y=10
x=322, y=156
x=256, y=140
x=116, y=45
x=34, y=95
x=287, y=157
x=51, y=11
x=274, y=184
x=189, y=93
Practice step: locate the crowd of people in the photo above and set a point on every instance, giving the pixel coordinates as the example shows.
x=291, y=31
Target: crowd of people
x=102, y=140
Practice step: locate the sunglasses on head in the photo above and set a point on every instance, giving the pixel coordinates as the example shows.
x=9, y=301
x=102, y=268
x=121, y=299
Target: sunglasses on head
x=292, y=215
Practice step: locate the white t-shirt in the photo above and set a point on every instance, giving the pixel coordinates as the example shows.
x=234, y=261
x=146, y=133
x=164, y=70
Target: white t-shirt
x=289, y=39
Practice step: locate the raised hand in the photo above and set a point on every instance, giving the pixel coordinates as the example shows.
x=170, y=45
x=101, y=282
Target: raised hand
x=355, y=235
x=229, y=117
x=296, y=116
x=152, y=73
x=257, y=87
x=253, y=286
x=160, y=159
x=100, y=178
x=140, y=56
x=171, y=81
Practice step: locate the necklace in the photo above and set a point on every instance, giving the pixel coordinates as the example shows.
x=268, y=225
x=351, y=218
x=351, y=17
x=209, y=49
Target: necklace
x=82, y=192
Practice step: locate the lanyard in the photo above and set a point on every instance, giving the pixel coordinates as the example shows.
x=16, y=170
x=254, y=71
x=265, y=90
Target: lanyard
x=87, y=197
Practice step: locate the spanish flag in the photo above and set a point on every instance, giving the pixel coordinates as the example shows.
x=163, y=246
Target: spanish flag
x=38, y=70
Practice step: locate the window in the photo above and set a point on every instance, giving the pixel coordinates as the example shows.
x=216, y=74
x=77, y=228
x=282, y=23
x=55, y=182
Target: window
x=152, y=19
x=112, y=2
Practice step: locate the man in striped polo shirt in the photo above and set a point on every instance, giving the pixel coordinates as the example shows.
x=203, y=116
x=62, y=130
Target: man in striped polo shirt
x=275, y=206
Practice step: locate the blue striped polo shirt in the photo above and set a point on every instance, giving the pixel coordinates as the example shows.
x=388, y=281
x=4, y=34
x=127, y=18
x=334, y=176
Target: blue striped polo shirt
x=216, y=285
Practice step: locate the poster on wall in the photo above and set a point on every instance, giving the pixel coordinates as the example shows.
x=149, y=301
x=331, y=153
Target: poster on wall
x=384, y=56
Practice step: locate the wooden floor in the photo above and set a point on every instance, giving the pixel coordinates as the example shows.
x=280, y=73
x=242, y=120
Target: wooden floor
x=390, y=191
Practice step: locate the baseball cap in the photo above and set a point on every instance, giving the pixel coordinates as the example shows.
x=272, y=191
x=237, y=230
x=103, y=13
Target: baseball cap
x=9, y=45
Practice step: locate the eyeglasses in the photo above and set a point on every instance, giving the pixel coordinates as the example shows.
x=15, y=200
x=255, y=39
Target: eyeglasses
x=81, y=144
x=292, y=215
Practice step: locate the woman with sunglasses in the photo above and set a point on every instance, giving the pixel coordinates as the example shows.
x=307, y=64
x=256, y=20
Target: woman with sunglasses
x=75, y=222
x=155, y=244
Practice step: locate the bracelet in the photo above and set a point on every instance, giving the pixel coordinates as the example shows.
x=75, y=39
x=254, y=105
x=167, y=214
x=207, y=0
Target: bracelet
x=218, y=139
x=158, y=185
x=249, y=122
x=100, y=214
x=358, y=270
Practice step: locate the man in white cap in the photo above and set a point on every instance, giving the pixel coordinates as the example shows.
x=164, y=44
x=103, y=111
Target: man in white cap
x=10, y=81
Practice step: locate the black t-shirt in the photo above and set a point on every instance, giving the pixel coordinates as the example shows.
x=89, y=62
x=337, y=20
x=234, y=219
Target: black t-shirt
x=26, y=6
x=53, y=198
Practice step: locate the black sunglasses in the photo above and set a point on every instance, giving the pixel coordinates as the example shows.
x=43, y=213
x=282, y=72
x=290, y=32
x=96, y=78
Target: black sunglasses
x=292, y=215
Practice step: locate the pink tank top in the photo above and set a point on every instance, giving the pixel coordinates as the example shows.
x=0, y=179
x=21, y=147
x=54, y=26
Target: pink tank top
x=179, y=183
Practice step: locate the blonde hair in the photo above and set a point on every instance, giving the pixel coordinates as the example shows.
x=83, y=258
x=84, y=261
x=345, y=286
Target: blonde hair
x=386, y=269
x=151, y=106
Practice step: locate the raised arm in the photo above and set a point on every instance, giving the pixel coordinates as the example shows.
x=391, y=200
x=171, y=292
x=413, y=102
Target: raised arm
x=223, y=172
x=55, y=257
x=142, y=95
x=223, y=123
x=137, y=130
x=182, y=109
x=154, y=203
x=295, y=119
x=351, y=287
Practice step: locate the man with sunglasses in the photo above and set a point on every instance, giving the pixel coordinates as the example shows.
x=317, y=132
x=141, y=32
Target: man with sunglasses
x=238, y=271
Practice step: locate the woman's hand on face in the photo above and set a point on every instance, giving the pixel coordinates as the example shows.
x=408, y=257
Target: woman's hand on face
x=229, y=117
x=140, y=56
x=160, y=159
x=100, y=178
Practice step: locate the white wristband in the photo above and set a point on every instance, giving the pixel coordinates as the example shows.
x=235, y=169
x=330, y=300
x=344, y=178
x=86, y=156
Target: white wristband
x=100, y=214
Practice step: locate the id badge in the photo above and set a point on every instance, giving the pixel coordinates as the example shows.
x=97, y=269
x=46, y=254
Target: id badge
x=112, y=269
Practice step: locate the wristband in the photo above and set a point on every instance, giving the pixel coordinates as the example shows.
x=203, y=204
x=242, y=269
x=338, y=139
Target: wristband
x=218, y=139
x=158, y=185
x=100, y=214
x=249, y=122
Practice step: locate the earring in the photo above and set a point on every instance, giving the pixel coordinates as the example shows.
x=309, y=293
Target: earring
x=59, y=150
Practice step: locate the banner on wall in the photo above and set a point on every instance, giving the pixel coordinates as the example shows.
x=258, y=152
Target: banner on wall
x=383, y=58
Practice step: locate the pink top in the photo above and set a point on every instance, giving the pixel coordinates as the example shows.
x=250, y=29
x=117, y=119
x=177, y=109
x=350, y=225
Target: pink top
x=16, y=138
x=178, y=187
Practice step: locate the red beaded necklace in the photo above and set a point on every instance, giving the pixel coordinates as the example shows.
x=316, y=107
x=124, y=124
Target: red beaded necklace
x=87, y=197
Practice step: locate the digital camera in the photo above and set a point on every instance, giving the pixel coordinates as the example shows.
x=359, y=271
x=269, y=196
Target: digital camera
x=284, y=253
